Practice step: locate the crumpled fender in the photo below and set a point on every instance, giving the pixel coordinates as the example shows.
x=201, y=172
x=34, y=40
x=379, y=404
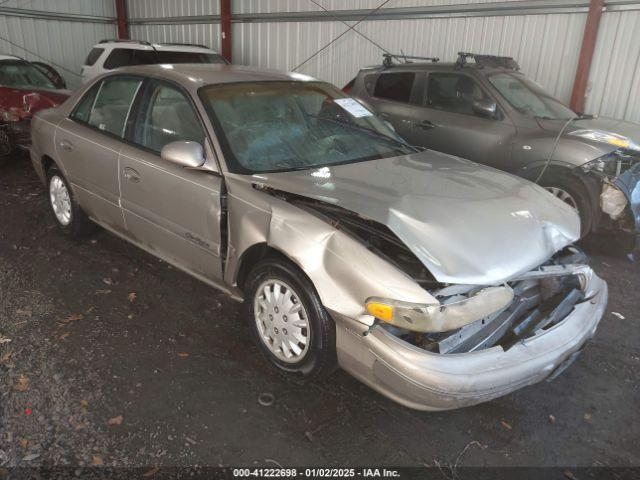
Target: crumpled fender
x=629, y=184
x=570, y=152
x=343, y=271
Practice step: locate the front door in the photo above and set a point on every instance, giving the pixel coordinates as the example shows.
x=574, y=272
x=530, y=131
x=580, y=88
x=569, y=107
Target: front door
x=171, y=211
x=89, y=142
x=451, y=124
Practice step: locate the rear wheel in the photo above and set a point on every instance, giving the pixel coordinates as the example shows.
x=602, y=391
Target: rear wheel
x=290, y=325
x=574, y=193
x=67, y=213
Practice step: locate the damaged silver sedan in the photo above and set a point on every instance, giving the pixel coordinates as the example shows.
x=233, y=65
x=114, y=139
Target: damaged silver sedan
x=438, y=282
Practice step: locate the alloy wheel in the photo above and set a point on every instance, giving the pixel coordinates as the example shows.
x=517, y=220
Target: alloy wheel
x=563, y=195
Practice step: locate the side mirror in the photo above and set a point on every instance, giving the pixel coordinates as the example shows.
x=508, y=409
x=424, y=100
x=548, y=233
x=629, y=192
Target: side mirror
x=185, y=154
x=486, y=109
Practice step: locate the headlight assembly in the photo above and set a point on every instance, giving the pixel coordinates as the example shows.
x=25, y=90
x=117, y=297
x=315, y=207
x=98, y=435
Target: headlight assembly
x=441, y=317
x=608, y=137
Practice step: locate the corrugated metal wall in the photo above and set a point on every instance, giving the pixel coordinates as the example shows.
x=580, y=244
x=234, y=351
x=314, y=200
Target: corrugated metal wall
x=61, y=43
x=98, y=8
x=545, y=45
x=541, y=43
x=201, y=33
x=614, y=84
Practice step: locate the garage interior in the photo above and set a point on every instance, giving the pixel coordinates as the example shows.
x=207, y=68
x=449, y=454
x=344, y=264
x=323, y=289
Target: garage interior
x=110, y=357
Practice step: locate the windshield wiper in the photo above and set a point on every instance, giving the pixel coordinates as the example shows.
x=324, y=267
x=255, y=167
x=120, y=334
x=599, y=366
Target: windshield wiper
x=367, y=131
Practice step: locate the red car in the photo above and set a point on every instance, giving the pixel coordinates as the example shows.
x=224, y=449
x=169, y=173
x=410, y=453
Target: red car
x=25, y=88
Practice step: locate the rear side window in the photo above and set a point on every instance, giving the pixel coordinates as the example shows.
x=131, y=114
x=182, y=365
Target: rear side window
x=83, y=109
x=168, y=56
x=108, y=107
x=93, y=56
x=125, y=57
x=166, y=115
x=395, y=86
x=370, y=83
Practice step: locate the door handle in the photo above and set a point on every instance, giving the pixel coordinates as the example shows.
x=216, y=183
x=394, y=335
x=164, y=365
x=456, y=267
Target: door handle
x=426, y=124
x=131, y=175
x=66, y=145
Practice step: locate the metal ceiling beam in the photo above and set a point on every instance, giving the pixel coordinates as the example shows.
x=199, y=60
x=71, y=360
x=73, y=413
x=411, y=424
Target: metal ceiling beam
x=43, y=15
x=578, y=95
x=493, y=9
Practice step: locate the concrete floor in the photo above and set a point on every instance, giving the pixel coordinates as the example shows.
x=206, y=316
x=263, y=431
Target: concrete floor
x=93, y=375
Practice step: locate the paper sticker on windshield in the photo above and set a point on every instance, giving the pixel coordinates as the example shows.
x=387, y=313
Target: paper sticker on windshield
x=353, y=107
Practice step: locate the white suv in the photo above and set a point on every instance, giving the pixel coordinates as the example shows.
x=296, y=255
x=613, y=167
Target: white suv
x=111, y=54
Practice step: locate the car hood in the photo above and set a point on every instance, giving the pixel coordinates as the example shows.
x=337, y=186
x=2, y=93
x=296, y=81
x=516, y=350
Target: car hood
x=465, y=222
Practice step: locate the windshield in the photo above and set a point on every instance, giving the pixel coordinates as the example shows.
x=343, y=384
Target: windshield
x=279, y=126
x=21, y=74
x=529, y=98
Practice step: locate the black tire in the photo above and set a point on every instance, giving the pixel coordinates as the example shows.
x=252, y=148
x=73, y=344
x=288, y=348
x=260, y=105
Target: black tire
x=79, y=224
x=6, y=148
x=320, y=358
x=580, y=195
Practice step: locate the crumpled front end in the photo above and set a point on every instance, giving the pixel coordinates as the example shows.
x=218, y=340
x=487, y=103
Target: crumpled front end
x=554, y=312
x=619, y=196
x=424, y=341
x=17, y=108
x=629, y=184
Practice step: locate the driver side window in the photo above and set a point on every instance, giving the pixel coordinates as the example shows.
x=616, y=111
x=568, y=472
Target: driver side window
x=454, y=92
x=166, y=115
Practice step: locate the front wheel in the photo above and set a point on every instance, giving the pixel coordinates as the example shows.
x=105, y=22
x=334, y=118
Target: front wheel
x=290, y=325
x=573, y=192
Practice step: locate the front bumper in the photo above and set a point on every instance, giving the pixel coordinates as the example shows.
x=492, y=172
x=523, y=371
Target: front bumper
x=429, y=381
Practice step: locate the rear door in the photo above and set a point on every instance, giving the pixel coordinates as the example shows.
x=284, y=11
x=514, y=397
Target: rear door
x=172, y=211
x=397, y=98
x=89, y=141
x=449, y=123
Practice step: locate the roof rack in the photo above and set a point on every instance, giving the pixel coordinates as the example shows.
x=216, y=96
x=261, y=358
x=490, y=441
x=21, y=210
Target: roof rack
x=183, y=45
x=388, y=59
x=118, y=40
x=488, y=61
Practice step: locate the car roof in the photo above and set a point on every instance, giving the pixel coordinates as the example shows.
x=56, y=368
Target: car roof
x=140, y=45
x=197, y=75
x=432, y=66
x=9, y=57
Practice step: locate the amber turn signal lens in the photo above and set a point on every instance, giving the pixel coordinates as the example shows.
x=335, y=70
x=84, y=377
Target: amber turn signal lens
x=381, y=311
